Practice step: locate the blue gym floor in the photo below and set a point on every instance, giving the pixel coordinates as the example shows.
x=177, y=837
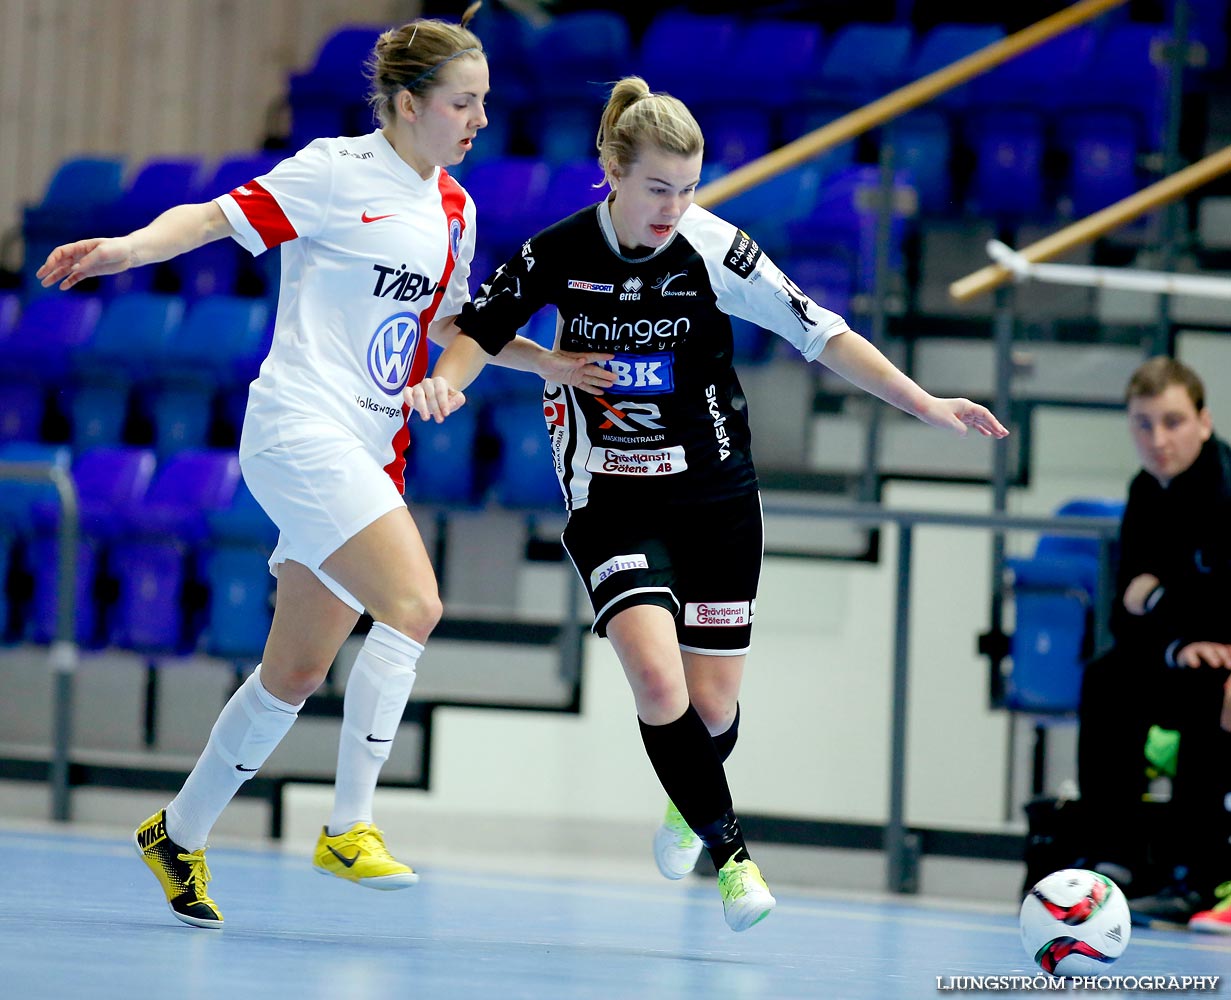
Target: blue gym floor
x=81, y=917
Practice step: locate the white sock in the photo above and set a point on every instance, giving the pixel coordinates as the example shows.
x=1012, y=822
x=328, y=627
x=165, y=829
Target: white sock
x=250, y=725
x=376, y=695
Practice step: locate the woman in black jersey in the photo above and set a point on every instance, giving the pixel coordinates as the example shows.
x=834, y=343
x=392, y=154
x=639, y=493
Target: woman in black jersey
x=665, y=523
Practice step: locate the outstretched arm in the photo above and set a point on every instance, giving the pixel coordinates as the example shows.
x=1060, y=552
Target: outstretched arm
x=436, y=397
x=860, y=363
x=176, y=231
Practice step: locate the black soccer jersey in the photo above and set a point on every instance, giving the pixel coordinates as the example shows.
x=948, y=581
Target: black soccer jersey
x=673, y=427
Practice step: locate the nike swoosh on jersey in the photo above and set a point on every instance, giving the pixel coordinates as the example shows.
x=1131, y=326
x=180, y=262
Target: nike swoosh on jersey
x=373, y=739
x=375, y=218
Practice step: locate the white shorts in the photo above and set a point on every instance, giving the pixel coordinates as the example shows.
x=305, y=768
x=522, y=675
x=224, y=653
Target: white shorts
x=320, y=490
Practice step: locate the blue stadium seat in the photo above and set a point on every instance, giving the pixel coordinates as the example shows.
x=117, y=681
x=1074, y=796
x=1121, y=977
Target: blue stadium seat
x=159, y=184
x=134, y=329
x=1102, y=159
x=735, y=135
x=236, y=572
x=331, y=98
x=844, y=219
x=923, y=147
x=563, y=130
x=523, y=476
x=508, y=42
x=577, y=50
x=240, y=602
x=217, y=349
x=48, y=333
x=571, y=187
x=17, y=502
x=691, y=56
x=863, y=62
x=109, y=482
x=767, y=209
x=10, y=312
x=750, y=343
x=1122, y=75
x=783, y=55
x=36, y=361
x=1040, y=79
x=944, y=45
x=508, y=195
x=1007, y=182
x=151, y=562
x=828, y=277
x=22, y=407
x=1054, y=593
x=441, y=463
x=78, y=189
x=223, y=267
x=18, y=498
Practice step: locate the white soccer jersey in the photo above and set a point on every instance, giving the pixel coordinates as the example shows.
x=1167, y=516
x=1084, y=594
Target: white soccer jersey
x=371, y=254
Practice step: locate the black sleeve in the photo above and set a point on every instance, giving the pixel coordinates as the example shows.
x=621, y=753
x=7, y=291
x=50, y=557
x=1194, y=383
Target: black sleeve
x=506, y=300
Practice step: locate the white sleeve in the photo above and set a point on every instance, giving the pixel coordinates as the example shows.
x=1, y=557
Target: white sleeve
x=749, y=285
x=457, y=293
x=288, y=202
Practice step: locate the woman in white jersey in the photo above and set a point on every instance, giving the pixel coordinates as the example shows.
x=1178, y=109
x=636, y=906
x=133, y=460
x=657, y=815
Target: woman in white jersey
x=665, y=521
x=376, y=247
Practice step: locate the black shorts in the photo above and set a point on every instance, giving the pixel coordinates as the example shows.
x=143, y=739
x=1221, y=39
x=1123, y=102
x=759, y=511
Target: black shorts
x=701, y=562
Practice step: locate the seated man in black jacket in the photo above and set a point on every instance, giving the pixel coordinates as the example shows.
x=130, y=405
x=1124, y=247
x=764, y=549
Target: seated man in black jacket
x=1171, y=661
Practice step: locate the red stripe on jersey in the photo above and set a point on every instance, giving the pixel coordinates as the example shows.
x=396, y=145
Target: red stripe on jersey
x=264, y=214
x=453, y=201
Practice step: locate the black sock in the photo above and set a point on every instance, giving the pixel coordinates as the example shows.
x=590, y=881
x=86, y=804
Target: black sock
x=724, y=743
x=686, y=762
x=723, y=839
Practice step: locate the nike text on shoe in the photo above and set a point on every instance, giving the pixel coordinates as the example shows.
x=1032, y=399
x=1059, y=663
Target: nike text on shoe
x=359, y=855
x=745, y=896
x=182, y=874
x=676, y=847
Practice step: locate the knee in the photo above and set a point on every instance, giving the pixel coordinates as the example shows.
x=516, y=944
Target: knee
x=293, y=682
x=716, y=708
x=414, y=615
x=656, y=691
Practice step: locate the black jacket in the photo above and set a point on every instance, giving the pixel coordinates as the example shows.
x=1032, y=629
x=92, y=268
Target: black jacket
x=1181, y=534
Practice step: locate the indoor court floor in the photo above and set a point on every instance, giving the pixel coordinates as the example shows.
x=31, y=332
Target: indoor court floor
x=81, y=918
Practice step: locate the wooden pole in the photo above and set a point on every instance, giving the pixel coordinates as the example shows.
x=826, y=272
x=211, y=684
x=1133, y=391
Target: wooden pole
x=1102, y=221
x=899, y=102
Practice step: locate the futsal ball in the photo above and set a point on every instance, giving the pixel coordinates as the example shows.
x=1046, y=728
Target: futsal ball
x=1074, y=923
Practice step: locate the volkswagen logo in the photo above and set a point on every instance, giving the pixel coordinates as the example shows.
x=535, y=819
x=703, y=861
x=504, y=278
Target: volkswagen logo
x=392, y=350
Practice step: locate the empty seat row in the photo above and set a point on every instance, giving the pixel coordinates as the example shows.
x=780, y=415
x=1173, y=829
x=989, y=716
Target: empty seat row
x=92, y=196
x=99, y=367
x=552, y=80
x=158, y=547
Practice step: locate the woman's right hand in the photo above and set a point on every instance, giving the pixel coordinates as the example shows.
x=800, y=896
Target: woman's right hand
x=434, y=398
x=74, y=262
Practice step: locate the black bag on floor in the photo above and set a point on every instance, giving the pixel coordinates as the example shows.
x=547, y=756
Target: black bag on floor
x=1053, y=838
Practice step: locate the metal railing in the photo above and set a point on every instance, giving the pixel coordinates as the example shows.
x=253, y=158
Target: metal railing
x=62, y=654
x=901, y=846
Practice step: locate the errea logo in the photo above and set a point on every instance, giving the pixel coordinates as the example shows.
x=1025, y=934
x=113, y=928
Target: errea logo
x=632, y=289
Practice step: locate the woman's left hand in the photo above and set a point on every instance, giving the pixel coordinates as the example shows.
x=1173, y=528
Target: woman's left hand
x=433, y=399
x=577, y=368
x=959, y=414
